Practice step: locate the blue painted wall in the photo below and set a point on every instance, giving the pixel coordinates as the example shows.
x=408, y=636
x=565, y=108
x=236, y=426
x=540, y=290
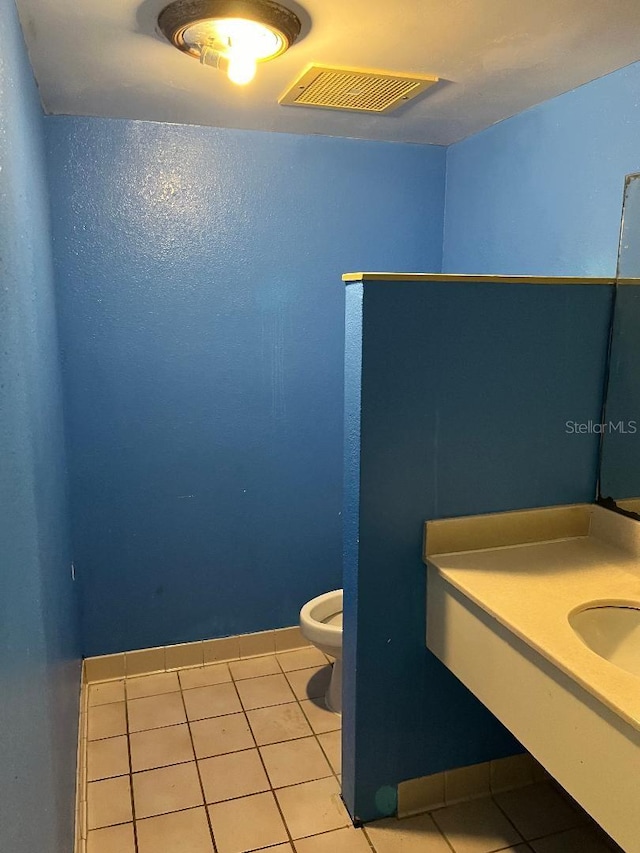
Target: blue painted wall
x=202, y=327
x=39, y=666
x=541, y=193
x=444, y=384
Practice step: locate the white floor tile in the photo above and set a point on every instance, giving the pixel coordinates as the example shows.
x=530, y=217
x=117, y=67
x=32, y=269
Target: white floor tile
x=476, y=827
x=411, y=835
x=538, y=810
x=312, y=808
x=247, y=824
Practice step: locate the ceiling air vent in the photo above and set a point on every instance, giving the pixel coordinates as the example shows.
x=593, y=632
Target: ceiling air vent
x=355, y=89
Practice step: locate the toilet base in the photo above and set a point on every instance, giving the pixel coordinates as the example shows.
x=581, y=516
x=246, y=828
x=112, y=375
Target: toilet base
x=333, y=697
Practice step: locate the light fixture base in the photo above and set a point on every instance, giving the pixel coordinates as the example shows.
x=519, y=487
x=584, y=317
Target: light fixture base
x=191, y=16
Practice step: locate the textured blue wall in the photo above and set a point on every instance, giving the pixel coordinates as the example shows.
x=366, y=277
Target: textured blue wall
x=444, y=384
x=39, y=666
x=541, y=193
x=202, y=326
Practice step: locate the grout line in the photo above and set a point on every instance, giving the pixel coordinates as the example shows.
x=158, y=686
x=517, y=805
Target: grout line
x=227, y=799
x=288, y=740
x=110, y=825
x=316, y=834
x=81, y=817
x=205, y=686
x=367, y=839
x=193, y=749
x=264, y=766
x=152, y=816
x=315, y=735
x=511, y=846
x=133, y=804
x=493, y=799
x=487, y=797
x=313, y=731
x=161, y=766
x=324, y=752
x=410, y=817
x=446, y=840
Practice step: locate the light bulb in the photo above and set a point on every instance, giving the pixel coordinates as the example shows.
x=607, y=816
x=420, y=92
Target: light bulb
x=242, y=68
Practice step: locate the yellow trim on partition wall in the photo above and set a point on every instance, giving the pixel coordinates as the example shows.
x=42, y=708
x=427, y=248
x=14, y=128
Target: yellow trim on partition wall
x=480, y=279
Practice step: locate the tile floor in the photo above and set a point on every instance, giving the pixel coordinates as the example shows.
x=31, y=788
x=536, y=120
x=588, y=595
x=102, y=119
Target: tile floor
x=237, y=757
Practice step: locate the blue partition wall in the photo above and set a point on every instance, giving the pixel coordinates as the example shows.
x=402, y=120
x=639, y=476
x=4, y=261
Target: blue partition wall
x=443, y=385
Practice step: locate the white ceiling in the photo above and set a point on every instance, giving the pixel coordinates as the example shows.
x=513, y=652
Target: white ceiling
x=495, y=58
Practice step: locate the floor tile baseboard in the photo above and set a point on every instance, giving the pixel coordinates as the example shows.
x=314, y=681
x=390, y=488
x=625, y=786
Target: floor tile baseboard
x=426, y=793
x=199, y=653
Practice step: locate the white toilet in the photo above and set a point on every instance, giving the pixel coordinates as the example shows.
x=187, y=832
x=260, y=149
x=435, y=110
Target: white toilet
x=321, y=624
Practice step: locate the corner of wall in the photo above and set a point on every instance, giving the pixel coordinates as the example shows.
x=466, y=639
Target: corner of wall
x=40, y=660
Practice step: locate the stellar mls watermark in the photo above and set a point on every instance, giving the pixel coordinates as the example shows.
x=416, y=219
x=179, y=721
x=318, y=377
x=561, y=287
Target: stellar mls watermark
x=601, y=428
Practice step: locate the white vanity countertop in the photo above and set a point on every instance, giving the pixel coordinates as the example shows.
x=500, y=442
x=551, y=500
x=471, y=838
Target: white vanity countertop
x=531, y=587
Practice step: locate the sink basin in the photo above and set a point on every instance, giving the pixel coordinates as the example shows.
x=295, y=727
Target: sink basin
x=611, y=631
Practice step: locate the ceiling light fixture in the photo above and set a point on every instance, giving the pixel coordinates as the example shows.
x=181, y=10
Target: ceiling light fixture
x=233, y=35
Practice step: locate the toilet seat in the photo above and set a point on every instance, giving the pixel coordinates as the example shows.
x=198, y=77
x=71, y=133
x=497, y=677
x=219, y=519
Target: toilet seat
x=321, y=624
x=321, y=619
